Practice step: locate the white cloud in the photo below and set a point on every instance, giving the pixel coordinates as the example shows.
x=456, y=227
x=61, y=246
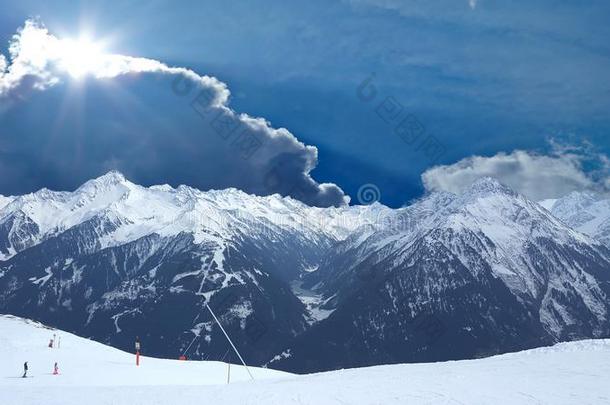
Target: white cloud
x=472, y=4
x=536, y=176
x=47, y=60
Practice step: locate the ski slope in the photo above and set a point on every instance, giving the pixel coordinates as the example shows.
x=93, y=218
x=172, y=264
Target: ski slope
x=91, y=373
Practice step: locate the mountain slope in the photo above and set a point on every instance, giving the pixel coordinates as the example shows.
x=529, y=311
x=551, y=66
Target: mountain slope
x=85, y=362
x=114, y=260
x=484, y=272
x=91, y=373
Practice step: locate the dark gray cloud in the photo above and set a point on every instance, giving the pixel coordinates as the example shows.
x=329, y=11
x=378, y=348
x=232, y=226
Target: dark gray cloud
x=155, y=123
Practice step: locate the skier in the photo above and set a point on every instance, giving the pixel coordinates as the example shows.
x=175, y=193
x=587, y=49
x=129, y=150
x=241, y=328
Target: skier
x=55, y=369
x=25, y=370
x=51, y=343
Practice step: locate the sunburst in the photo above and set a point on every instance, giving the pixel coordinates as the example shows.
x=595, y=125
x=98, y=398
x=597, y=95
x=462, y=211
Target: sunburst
x=80, y=57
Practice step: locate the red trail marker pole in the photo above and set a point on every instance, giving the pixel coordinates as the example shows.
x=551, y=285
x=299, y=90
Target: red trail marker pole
x=137, y=351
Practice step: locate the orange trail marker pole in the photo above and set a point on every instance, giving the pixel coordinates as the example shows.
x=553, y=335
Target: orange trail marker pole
x=137, y=358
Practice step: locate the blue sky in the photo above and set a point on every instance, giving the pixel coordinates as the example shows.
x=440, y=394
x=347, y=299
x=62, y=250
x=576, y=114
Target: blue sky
x=481, y=79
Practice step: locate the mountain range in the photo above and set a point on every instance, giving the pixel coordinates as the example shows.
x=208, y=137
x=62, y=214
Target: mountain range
x=302, y=288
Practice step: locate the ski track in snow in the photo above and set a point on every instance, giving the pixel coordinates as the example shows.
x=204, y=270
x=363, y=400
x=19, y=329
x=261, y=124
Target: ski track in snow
x=91, y=373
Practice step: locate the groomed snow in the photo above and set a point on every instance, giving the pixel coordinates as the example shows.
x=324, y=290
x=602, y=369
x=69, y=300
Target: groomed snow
x=91, y=373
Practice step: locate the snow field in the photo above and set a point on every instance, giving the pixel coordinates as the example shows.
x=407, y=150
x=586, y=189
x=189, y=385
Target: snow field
x=91, y=373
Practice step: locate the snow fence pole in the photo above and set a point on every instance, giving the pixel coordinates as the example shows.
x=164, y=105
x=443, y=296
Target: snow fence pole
x=231, y=342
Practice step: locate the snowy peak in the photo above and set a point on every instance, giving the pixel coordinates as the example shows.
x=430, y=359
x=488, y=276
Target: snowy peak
x=588, y=212
x=573, y=203
x=4, y=201
x=103, y=190
x=111, y=178
x=496, y=211
x=488, y=185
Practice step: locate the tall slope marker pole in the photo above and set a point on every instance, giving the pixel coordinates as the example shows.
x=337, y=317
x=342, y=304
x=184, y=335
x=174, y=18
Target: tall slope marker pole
x=231, y=342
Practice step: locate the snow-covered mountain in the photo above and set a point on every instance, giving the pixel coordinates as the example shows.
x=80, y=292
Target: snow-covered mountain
x=586, y=211
x=567, y=373
x=301, y=288
x=113, y=260
x=478, y=273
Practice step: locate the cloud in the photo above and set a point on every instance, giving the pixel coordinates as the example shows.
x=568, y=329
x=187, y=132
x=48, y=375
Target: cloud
x=536, y=176
x=472, y=4
x=46, y=59
x=157, y=123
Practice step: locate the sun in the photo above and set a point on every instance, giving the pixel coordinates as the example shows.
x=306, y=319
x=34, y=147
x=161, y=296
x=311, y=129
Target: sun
x=81, y=56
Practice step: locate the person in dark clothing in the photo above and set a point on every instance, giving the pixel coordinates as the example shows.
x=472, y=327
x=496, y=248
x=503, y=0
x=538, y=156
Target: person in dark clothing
x=25, y=369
